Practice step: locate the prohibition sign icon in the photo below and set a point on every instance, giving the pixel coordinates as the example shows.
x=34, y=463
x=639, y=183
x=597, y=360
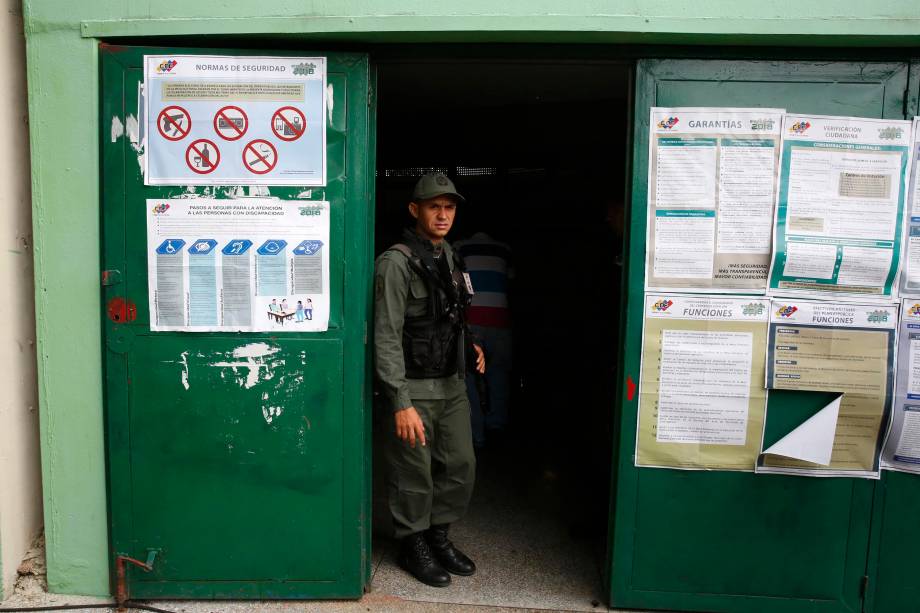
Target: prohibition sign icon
x=202, y=156
x=174, y=123
x=289, y=123
x=260, y=156
x=231, y=122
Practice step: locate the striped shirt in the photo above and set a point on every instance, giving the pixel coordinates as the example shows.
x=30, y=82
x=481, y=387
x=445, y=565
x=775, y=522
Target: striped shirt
x=489, y=265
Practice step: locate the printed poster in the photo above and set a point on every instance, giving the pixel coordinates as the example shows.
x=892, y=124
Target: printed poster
x=226, y=120
x=843, y=348
x=701, y=394
x=902, y=447
x=910, y=273
x=840, y=206
x=711, y=192
x=242, y=265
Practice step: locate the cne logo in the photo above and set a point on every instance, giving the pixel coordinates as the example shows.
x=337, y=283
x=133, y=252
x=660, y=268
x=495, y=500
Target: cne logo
x=915, y=310
x=667, y=124
x=304, y=68
x=166, y=66
x=799, y=127
x=786, y=311
x=160, y=208
x=662, y=305
x=877, y=316
x=890, y=133
x=753, y=308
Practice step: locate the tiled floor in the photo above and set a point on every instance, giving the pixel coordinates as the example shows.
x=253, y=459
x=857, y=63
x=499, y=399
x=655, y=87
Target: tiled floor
x=525, y=554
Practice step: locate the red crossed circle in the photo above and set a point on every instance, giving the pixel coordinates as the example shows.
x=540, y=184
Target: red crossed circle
x=263, y=162
x=233, y=131
x=167, y=122
x=282, y=124
x=208, y=162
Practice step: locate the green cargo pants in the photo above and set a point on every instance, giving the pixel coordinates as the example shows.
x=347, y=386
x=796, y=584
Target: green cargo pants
x=432, y=484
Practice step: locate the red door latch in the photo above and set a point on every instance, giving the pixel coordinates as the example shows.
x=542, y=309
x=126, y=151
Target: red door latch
x=121, y=310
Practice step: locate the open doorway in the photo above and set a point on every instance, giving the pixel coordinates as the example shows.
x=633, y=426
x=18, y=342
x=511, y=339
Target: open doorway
x=538, y=148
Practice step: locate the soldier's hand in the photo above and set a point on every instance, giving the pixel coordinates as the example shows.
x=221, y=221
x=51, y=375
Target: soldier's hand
x=409, y=426
x=480, y=359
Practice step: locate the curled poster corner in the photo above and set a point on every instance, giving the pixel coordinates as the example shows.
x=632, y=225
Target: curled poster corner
x=813, y=441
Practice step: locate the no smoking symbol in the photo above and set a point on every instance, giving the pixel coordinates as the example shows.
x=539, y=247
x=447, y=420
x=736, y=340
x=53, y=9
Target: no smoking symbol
x=260, y=156
x=174, y=123
x=202, y=156
x=289, y=123
x=231, y=123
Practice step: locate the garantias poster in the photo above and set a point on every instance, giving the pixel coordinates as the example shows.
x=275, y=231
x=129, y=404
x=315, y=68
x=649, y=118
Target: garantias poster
x=711, y=192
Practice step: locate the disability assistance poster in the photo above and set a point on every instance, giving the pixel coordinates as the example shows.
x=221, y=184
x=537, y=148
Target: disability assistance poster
x=902, y=448
x=711, y=192
x=840, y=206
x=235, y=120
x=701, y=393
x=848, y=350
x=910, y=275
x=241, y=265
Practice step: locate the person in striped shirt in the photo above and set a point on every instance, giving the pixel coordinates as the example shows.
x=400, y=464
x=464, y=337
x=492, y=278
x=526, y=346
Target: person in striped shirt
x=489, y=265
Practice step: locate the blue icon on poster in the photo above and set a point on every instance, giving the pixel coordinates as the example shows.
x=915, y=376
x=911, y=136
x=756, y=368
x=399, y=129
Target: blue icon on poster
x=273, y=246
x=238, y=246
x=171, y=246
x=308, y=248
x=203, y=246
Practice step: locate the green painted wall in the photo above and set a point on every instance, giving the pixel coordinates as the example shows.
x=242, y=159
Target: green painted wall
x=63, y=81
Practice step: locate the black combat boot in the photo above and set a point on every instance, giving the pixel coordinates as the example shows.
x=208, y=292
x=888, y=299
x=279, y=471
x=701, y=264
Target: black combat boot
x=444, y=551
x=416, y=559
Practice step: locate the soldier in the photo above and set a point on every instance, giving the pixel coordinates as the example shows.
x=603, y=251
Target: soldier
x=420, y=350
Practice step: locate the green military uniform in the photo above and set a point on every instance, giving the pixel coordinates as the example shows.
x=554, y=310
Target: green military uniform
x=428, y=485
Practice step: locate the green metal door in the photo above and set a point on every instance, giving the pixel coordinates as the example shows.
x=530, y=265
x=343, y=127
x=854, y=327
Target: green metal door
x=736, y=542
x=893, y=585
x=231, y=505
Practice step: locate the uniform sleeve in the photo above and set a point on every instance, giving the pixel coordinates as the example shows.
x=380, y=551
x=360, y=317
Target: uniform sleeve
x=391, y=290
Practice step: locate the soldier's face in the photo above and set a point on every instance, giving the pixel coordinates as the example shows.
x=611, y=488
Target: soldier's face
x=434, y=217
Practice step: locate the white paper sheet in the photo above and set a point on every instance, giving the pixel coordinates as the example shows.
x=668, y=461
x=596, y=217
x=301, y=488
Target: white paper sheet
x=844, y=348
x=235, y=120
x=711, y=191
x=813, y=441
x=240, y=265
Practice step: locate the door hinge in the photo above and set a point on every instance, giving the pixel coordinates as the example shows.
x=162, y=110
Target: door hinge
x=111, y=277
x=365, y=332
x=864, y=587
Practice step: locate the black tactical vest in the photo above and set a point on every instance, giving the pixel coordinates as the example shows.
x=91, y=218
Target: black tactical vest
x=433, y=343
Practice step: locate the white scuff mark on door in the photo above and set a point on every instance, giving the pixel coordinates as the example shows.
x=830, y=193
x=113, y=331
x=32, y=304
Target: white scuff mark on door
x=255, y=363
x=330, y=99
x=118, y=129
x=189, y=192
x=235, y=191
x=307, y=193
x=255, y=350
x=132, y=128
x=258, y=191
x=183, y=376
x=270, y=413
